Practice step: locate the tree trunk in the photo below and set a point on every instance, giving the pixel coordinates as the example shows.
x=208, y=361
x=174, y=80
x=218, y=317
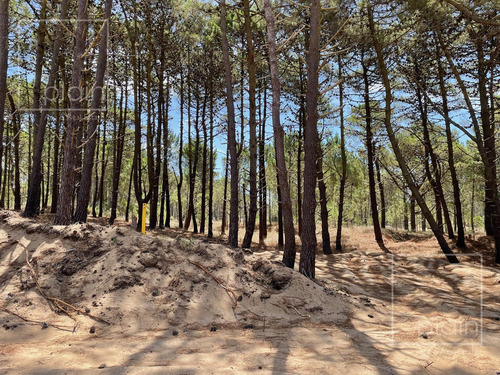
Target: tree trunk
x=338, y=241
x=129, y=193
x=224, y=203
x=302, y=121
x=406, y=221
x=150, y=136
x=284, y=189
x=485, y=151
x=55, y=167
x=6, y=174
x=193, y=163
x=120, y=143
x=96, y=180
x=382, y=194
x=252, y=125
x=245, y=210
x=434, y=176
x=16, y=131
x=451, y=160
x=63, y=214
x=309, y=242
x=104, y=163
x=472, y=205
x=211, y=167
x=37, y=83
x=137, y=162
x=4, y=56
x=395, y=145
x=262, y=168
x=204, y=175
x=181, y=136
x=155, y=196
x=90, y=143
x=231, y=132
x=47, y=184
x=281, y=235
x=165, y=183
x=35, y=178
x=369, y=150
x=492, y=199
x=413, y=224
x=325, y=234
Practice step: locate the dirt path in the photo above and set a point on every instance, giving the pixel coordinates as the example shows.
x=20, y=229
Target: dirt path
x=385, y=304
x=359, y=347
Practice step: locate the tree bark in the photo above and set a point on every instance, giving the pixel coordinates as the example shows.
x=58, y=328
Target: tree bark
x=4, y=56
x=289, y=250
x=325, y=234
x=309, y=241
x=451, y=158
x=302, y=120
x=193, y=165
x=127, y=208
x=472, y=205
x=35, y=178
x=262, y=168
x=181, y=136
x=224, y=203
x=492, y=199
x=104, y=162
x=6, y=174
x=95, y=197
x=37, y=83
x=137, y=162
x=153, y=172
x=90, y=143
x=155, y=196
x=63, y=214
x=231, y=131
x=395, y=145
x=369, y=151
x=252, y=125
x=338, y=240
x=16, y=130
x=120, y=143
x=204, y=175
x=383, y=208
x=413, y=224
x=55, y=167
x=166, y=132
x=281, y=234
x=406, y=220
x=434, y=176
x=45, y=196
x=485, y=151
x=211, y=167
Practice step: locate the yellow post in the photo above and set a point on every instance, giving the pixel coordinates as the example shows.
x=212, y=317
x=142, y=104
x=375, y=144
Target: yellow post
x=143, y=223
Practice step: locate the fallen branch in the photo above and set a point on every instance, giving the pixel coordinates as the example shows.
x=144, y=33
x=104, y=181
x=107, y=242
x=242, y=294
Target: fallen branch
x=218, y=281
x=60, y=304
x=302, y=315
x=38, y=322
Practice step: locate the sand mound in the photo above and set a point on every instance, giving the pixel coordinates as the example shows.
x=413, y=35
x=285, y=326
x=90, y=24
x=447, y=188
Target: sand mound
x=144, y=282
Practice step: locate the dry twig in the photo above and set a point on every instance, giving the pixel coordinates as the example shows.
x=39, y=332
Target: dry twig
x=218, y=281
x=60, y=304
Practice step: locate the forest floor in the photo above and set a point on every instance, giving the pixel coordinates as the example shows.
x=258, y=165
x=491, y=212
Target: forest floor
x=106, y=300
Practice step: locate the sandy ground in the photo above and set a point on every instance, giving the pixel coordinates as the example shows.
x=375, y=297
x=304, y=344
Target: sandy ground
x=397, y=310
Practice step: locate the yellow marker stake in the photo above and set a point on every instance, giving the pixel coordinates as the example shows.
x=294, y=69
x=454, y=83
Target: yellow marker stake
x=143, y=224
